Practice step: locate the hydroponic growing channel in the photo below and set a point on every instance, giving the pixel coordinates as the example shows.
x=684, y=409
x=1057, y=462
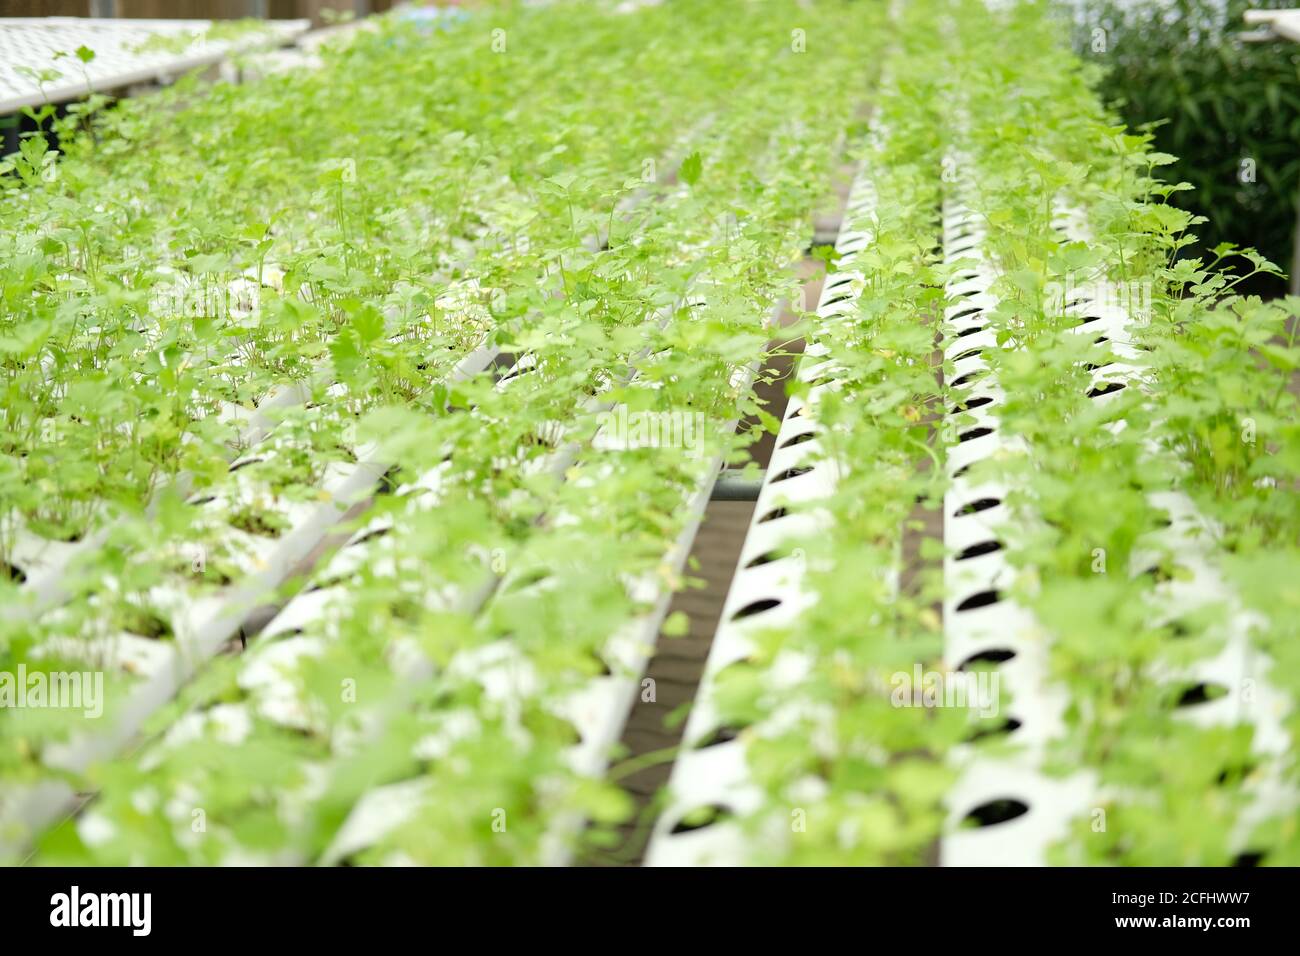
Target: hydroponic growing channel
x=359, y=422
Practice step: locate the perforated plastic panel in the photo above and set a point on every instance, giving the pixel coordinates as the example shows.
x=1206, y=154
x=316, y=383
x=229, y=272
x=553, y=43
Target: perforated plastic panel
x=981, y=623
x=29, y=45
x=1031, y=809
x=711, y=770
x=1239, y=670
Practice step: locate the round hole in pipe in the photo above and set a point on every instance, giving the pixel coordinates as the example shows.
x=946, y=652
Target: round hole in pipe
x=719, y=735
x=969, y=377
x=992, y=657
x=370, y=535
x=980, y=599
x=756, y=607
x=1203, y=692
x=791, y=473
x=1105, y=388
x=977, y=549
x=994, y=728
x=798, y=439
x=701, y=817
x=979, y=401
x=994, y=812
x=245, y=463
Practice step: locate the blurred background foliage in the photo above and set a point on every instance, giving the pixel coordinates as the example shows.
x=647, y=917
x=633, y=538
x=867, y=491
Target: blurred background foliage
x=1230, y=110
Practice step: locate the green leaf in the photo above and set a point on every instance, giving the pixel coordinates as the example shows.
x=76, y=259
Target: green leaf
x=676, y=624
x=691, y=167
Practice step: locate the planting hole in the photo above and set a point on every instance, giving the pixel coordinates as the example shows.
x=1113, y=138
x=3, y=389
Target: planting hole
x=979, y=401
x=244, y=464
x=993, y=656
x=767, y=557
x=1235, y=774
x=722, y=735
x=975, y=550
x=503, y=361
x=390, y=482
x=602, y=666
x=265, y=524
x=370, y=535
x=979, y=504
x=143, y=623
x=1202, y=693
x=791, y=473
x=980, y=599
x=1000, y=728
x=995, y=812
x=702, y=817
x=1159, y=573
x=517, y=371
x=1105, y=388
x=756, y=607
x=798, y=439
x=973, y=433
x=969, y=377
x=332, y=581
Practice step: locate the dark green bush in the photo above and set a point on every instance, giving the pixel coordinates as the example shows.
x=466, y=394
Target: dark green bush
x=1231, y=111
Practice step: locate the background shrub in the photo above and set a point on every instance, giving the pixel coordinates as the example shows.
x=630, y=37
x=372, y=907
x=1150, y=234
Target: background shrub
x=1231, y=111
